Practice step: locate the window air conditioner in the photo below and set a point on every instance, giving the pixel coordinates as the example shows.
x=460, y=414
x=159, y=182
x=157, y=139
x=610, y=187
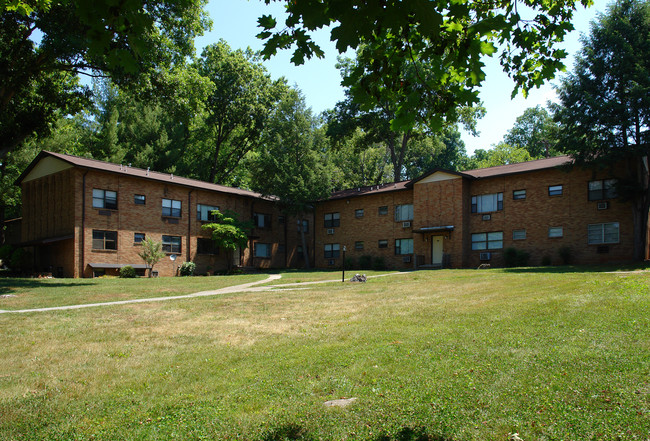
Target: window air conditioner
x=485, y=256
x=330, y=231
x=603, y=205
x=406, y=224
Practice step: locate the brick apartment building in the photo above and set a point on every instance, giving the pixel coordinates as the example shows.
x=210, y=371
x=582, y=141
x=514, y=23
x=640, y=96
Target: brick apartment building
x=83, y=217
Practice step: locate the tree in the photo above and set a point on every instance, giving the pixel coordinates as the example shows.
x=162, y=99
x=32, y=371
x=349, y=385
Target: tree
x=500, y=154
x=242, y=97
x=444, y=149
x=534, y=131
x=126, y=40
x=450, y=38
x=228, y=233
x=291, y=164
x=151, y=253
x=604, y=111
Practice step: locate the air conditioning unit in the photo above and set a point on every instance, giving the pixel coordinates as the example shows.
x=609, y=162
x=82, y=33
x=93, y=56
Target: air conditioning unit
x=603, y=205
x=406, y=259
x=485, y=256
x=406, y=224
x=331, y=262
x=487, y=216
x=330, y=231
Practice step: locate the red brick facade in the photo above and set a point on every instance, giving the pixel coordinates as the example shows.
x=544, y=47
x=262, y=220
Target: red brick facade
x=443, y=219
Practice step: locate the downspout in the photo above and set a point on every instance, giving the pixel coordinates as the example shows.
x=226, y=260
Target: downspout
x=83, y=225
x=313, y=234
x=189, y=225
x=286, y=245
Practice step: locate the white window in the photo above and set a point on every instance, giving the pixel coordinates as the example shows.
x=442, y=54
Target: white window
x=138, y=237
x=332, y=220
x=518, y=234
x=403, y=212
x=139, y=199
x=332, y=250
x=104, y=240
x=519, y=194
x=171, y=208
x=171, y=244
x=104, y=199
x=204, y=212
x=555, y=232
x=555, y=190
x=403, y=246
x=486, y=203
x=263, y=250
x=603, y=233
x=487, y=241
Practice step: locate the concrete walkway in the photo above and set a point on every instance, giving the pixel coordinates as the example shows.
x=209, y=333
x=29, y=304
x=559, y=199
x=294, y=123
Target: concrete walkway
x=246, y=287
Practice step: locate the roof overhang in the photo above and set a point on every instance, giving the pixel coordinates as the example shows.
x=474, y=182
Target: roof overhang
x=436, y=229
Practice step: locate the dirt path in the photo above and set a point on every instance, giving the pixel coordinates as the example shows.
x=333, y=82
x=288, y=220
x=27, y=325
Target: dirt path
x=246, y=287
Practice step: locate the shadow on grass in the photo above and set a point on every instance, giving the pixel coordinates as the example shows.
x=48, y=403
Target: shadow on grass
x=579, y=268
x=10, y=284
x=294, y=432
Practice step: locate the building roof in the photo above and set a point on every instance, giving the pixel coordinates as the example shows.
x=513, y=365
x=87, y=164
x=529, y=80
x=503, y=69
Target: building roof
x=372, y=189
x=121, y=169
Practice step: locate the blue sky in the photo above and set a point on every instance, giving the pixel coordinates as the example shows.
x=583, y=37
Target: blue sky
x=235, y=21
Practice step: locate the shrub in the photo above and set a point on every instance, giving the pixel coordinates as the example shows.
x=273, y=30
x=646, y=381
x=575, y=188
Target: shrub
x=379, y=264
x=349, y=262
x=187, y=269
x=514, y=257
x=546, y=260
x=20, y=260
x=566, y=255
x=5, y=252
x=365, y=262
x=127, y=272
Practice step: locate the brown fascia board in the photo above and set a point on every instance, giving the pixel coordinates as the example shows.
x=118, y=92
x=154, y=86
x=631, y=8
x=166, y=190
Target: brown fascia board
x=520, y=167
x=367, y=190
x=168, y=178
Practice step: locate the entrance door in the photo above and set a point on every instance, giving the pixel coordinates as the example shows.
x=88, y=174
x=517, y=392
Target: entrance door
x=436, y=250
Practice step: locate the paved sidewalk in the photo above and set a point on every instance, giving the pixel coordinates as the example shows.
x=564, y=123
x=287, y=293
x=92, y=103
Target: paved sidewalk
x=246, y=287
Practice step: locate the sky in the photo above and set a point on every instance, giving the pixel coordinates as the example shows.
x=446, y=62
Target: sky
x=235, y=21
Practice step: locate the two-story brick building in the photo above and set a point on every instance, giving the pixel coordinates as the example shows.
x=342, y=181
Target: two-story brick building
x=453, y=219
x=83, y=217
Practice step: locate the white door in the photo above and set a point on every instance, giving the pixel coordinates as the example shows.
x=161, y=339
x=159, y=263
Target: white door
x=236, y=257
x=436, y=250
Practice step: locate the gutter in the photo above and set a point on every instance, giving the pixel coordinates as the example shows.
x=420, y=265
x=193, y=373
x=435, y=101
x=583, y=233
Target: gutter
x=83, y=225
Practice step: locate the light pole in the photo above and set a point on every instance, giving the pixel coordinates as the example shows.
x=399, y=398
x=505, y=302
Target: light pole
x=343, y=276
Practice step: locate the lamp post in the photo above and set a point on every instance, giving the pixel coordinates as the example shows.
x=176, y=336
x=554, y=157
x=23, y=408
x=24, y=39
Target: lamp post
x=343, y=276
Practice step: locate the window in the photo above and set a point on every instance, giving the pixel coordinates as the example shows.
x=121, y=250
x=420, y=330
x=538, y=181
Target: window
x=518, y=195
x=138, y=237
x=204, y=212
x=383, y=210
x=104, y=199
x=403, y=246
x=487, y=202
x=104, y=240
x=604, y=189
x=555, y=190
x=518, y=234
x=358, y=212
x=403, y=212
x=332, y=250
x=171, y=208
x=262, y=220
x=487, y=241
x=263, y=250
x=555, y=232
x=305, y=225
x=383, y=243
x=332, y=220
x=139, y=199
x=280, y=219
x=206, y=246
x=171, y=244
x=358, y=245
x=603, y=233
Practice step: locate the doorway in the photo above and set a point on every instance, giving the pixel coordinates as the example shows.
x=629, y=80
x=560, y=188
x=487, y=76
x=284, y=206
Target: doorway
x=436, y=250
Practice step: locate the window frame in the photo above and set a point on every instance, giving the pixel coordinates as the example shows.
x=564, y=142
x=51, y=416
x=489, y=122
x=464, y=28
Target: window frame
x=555, y=235
x=334, y=251
x=382, y=210
x=518, y=231
x=400, y=216
x=519, y=197
x=399, y=245
x=486, y=243
x=333, y=221
x=553, y=190
x=264, y=217
x=169, y=244
x=135, y=238
x=304, y=226
x=104, y=240
x=603, y=233
x=358, y=245
x=477, y=208
x=382, y=243
x=359, y=213
x=171, y=210
x=104, y=204
x=138, y=201
x=210, y=216
x=603, y=193
x=257, y=248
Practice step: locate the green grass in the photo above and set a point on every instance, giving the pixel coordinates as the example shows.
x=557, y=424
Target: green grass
x=439, y=355
x=43, y=293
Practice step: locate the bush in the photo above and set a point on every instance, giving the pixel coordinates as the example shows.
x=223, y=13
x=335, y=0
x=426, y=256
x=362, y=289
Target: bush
x=379, y=264
x=127, y=272
x=514, y=257
x=5, y=252
x=546, y=260
x=349, y=262
x=20, y=260
x=187, y=269
x=566, y=255
x=365, y=262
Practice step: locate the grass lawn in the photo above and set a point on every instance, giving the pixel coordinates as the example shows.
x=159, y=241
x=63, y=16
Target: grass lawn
x=552, y=354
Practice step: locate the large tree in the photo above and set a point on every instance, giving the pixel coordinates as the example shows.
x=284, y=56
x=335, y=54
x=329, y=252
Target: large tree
x=534, y=131
x=44, y=44
x=604, y=113
x=398, y=38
